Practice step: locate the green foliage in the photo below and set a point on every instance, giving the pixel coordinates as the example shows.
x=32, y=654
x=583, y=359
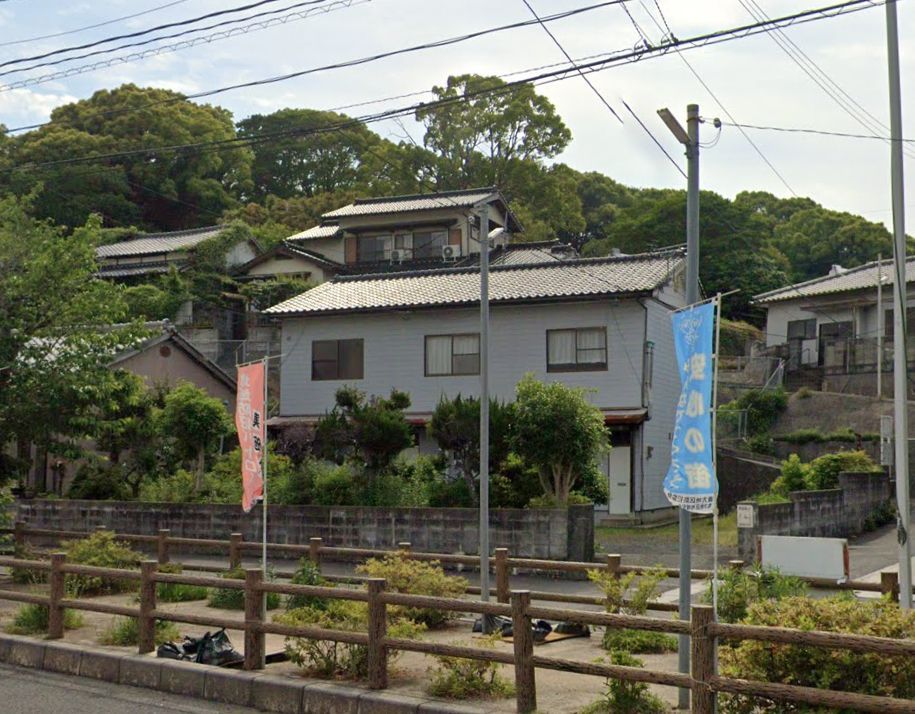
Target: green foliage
x=559, y=431
x=149, y=301
x=334, y=486
x=761, y=443
x=404, y=575
x=178, y=592
x=307, y=574
x=824, y=471
x=802, y=436
x=332, y=659
x=516, y=484
x=818, y=667
x=630, y=594
x=763, y=407
x=262, y=294
x=804, y=393
x=736, y=334
x=99, y=480
x=622, y=697
x=793, y=476
x=33, y=620
x=100, y=549
x=234, y=598
x=461, y=678
x=172, y=488
x=815, y=436
x=194, y=422
x=740, y=589
x=125, y=632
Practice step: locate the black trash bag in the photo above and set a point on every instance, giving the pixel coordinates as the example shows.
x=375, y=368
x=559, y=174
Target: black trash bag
x=541, y=628
x=573, y=628
x=214, y=649
x=169, y=650
x=498, y=624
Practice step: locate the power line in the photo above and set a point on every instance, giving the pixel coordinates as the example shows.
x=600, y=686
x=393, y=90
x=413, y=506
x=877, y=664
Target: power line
x=262, y=24
x=160, y=38
x=850, y=6
x=92, y=27
x=718, y=101
x=820, y=132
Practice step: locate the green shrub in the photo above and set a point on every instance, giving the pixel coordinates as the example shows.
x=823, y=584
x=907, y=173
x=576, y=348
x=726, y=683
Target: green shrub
x=404, y=575
x=99, y=480
x=125, y=632
x=622, y=697
x=630, y=594
x=461, y=678
x=454, y=493
x=735, y=334
x=222, y=483
x=824, y=471
x=768, y=498
x=882, y=675
x=761, y=444
x=739, y=589
x=515, y=483
x=334, y=486
x=802, y=436
x=172, y=488
x=178, y=592
x=547, y=501
x=307, y=574
x=100, y=549
x=233, y=598
x=33, y=620
x=793, y=477
x=24, y=576
x=336, y=659
x=804, y=393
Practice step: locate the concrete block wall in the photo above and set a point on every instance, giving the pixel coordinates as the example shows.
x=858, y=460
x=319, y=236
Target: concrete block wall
x=555, y=534
x=833, y=513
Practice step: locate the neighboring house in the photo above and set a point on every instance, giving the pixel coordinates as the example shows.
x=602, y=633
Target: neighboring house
x=290, y=260
x=829, y=327
x=163, y=360
x=150, y=253
x=602, y=324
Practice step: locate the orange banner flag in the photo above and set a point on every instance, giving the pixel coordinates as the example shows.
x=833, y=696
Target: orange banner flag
x=251, y=423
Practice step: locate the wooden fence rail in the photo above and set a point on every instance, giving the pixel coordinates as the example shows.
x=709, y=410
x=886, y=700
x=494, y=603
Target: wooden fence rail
x=703, y=632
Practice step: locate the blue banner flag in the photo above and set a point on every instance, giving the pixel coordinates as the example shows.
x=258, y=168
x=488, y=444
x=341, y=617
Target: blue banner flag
x=690, y=481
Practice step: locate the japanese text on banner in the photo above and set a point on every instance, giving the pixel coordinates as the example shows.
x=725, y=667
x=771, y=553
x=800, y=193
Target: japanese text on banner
x=251, y=426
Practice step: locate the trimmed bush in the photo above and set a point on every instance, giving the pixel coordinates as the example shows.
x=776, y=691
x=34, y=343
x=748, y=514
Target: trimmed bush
x=177, y=592
x=824, y=471
x=621, y=697
x=33, y=620
x=307, y=574
x=881, y=675
x=404, y=575
x=125, y=632
x=739, y=589
x=100, y=549
x=461, y=678
x=233, y=598
x=336, y=659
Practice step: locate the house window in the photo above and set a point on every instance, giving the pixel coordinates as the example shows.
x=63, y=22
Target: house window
x=430, y=244
x=448, y=355
x=577, y=350
x=889, y=326
x=372, y=249
x=802, y=329
x=403, y=242
x=336, y=359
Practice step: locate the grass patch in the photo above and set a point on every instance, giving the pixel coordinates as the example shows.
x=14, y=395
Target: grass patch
x=233, y=599
x=177, y=592
x=638, y=642
x=33, y=620
x=459, y=678
x=607, y=536
x=125, y=632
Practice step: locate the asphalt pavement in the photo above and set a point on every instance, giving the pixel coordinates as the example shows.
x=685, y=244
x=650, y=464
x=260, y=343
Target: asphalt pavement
x=26, y=691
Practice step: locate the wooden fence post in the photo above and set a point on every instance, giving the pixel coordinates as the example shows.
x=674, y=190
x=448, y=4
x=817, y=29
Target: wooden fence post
x=378, y=630
x=523, y=639
x=56, y=583
x=889, y=584
x=255, y=612
x=235, y=541
x=614, y=563
x=314, y=550
x=702, y=660
x=19, y=539
x=502, y=587
x=162, y=554
x=146, y=640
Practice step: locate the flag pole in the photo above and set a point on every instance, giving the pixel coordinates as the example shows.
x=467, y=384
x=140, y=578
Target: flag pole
x=264, y=461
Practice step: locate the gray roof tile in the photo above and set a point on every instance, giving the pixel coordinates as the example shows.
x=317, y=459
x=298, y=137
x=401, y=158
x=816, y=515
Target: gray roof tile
x=316, y=232
x=149, y=243
x=862, y=277
x=559, y=279
x=399, y=204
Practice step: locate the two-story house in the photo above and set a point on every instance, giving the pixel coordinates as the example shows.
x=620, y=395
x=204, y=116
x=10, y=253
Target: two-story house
x=602, y=324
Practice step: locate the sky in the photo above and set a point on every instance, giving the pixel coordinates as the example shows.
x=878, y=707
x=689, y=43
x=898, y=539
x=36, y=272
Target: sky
x=751, y=80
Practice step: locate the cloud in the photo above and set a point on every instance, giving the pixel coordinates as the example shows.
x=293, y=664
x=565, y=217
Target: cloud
x=19, y=106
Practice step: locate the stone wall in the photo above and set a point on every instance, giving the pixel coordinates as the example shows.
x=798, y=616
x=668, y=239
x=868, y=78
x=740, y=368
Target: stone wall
x=834, y=513
x=815, y=449
x=741, y=475
x=556, y=534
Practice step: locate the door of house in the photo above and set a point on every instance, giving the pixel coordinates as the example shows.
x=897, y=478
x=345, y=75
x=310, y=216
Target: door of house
x=619, y=480
x=832, y=350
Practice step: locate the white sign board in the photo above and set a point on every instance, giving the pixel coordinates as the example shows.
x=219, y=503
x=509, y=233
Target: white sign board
x=746, y=515
x=805, y=556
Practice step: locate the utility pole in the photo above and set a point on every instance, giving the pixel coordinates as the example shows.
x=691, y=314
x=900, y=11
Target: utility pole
x=879, y=326
x=900, y=290
x=484, y=410
x=690, y=139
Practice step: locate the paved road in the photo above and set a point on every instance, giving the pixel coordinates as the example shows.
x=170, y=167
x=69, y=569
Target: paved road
x=24, y=691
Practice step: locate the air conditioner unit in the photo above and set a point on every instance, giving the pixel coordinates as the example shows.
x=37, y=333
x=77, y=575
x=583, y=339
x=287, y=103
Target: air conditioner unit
x=450, y=252
x=396, y=256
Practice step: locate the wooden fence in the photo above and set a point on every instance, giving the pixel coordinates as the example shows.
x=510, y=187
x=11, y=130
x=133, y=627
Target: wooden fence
x=704, y=634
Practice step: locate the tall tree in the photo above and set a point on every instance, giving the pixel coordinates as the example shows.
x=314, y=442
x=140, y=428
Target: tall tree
x=166, y=190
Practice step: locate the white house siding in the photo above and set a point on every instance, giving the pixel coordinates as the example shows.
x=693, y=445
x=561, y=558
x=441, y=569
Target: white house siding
x=239, y=254
x=290, y=266
x=394, y=353
x=330, y=248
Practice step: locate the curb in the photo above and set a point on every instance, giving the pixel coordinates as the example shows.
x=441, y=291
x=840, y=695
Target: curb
x=267, y=692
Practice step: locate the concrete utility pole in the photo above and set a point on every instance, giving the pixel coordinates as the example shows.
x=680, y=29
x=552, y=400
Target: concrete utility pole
x=880, y=326
x=690, y=139
x=900, y=290
x=484, y=408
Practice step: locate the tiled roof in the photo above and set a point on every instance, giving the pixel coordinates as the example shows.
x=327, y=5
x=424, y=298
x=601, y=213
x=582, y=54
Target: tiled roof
x=126, y=271
x=585, y=278
x=316, y=232
x=862, y=277
x=416, y=202
x=312, y=255
x=148, y=243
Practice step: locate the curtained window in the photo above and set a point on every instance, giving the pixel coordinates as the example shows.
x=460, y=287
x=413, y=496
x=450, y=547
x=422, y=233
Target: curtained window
x=336, y=359
x=452, y=355
x=576, y=350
